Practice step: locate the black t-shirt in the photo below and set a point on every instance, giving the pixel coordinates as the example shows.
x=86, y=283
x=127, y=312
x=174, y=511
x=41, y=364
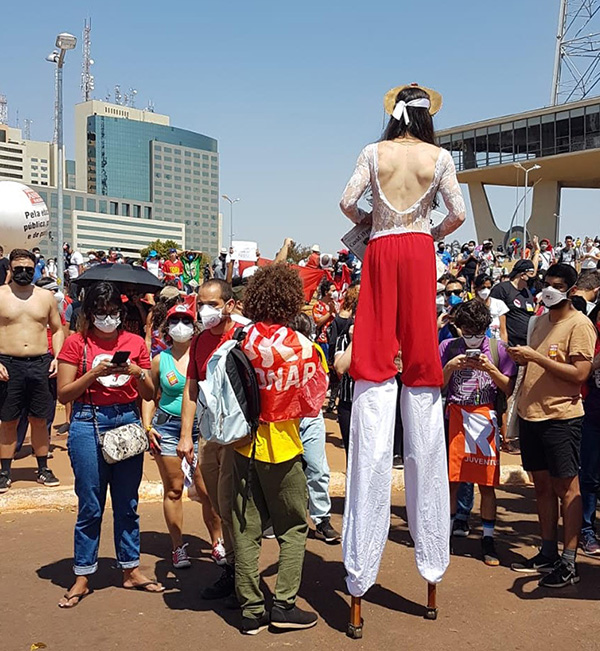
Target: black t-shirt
x=4, y=267
x=470, y=265
x=521, y=307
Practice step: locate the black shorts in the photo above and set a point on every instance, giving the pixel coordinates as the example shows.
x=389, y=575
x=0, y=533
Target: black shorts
x=551, y=445
x=28, y=387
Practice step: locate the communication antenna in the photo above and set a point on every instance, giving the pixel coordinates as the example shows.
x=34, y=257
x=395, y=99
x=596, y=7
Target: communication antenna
x=3, y=110
x=132, y=93
x=27, y=128
x=577, y=57
x=118, y=96
x=108, y=96
x=87, y=79
x=150, y=106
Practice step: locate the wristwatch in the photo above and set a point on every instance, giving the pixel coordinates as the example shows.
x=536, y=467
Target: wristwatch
x=142, y=375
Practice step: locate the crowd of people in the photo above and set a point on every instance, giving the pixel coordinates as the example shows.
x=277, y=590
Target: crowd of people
x=496, y=349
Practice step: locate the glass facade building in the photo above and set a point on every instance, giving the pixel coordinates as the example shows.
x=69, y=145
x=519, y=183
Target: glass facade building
x=559, y=130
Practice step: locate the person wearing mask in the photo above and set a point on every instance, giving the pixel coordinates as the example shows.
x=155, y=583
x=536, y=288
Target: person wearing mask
x=519, y=300
x=215, y=308
x=558, y=361
x=454, y=294
x=153, y=264
x=588, y=287
x=467, y=262
x=173, y=268
x=168, y=297
x=105, y=396
x=219, y=265
x=486, y=259
x=161, y=418
x=40, y=265
x=26, y=366
x=476, y=368
x=546, y=255
x=569, y=254
x=590, y=255
x=4, y=268
x=443, y=254
x=498, y=310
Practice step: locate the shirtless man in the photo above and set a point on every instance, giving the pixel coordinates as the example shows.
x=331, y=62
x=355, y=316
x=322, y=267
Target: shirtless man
x=26, y=312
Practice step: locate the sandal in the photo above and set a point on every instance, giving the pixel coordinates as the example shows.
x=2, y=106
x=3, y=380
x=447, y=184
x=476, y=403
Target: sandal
x=143, y=587
x=79, y=596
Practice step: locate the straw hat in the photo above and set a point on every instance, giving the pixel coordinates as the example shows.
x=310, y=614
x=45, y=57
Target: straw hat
x=389, y=100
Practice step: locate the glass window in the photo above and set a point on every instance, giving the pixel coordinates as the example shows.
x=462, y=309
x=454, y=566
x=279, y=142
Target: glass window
x=577, y=129
x=102, y=206
x=506, y=143
x=562, y=132
x=592, y=126
x=78, y=203
x=147, y=212
x=114, y=208
x=494, y=144
x=67, y=201
x=90, y=205
x=534, y=138
x=125, y=209
x=548, y=135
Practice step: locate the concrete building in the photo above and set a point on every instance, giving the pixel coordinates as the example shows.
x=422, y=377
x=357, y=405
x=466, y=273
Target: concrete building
x=564, y=140
x=136, y=155
x=27, y=161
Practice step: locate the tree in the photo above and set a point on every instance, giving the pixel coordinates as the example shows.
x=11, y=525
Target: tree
x=297, y=252
x=162, y=248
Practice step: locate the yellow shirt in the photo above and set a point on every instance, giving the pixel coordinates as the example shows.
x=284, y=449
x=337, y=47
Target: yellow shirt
x=275, y=442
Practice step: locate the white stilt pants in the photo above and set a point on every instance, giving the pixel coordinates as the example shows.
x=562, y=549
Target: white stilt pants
x=369, y=477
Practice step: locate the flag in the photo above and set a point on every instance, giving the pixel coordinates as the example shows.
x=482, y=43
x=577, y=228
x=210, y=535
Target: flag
x=474, y=451
x=290, y=375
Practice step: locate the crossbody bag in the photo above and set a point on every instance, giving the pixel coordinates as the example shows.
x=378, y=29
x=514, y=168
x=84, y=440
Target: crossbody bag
x=121, y=442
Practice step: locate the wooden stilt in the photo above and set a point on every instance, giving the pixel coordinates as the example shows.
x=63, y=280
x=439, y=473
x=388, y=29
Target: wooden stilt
x=355, y=625
x=432, y=611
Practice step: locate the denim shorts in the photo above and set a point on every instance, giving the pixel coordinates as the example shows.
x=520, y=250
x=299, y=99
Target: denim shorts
x=169, y=428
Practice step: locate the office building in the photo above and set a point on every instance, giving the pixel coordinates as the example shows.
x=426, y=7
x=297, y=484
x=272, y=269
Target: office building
x=26, y=161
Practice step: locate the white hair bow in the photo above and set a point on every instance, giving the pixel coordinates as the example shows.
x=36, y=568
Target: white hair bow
x=400, y=112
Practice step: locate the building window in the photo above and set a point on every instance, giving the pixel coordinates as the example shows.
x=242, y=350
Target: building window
x=125, y=209
x=147, y=212
x=137, y=211
x=102, y=207
x=114, y=208
x=78, y=203
x=90, y=205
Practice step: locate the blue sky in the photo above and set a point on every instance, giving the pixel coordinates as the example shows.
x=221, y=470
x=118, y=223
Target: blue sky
x=292, y=93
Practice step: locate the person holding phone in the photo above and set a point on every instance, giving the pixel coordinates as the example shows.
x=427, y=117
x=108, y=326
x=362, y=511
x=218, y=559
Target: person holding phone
x=104, y=370
x=161, y=417
x=476, y=368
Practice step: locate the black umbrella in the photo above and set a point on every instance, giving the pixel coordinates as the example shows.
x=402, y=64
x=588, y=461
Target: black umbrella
x=120, y=274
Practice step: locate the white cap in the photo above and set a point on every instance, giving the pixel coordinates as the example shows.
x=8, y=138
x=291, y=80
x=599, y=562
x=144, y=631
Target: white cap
x=316, y=248
x=223, y=251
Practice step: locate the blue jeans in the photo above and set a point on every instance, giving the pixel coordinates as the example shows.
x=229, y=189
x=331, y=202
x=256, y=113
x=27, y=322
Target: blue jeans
x=93, y=476
x=312, y=434
x=589, y=474
x=464, y=501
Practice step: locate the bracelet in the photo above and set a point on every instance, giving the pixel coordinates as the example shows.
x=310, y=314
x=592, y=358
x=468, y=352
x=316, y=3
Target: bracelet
x=147, y=428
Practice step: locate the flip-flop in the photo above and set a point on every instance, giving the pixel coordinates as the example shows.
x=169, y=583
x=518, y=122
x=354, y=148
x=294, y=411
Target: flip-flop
x=79, y=596
x=143, y=587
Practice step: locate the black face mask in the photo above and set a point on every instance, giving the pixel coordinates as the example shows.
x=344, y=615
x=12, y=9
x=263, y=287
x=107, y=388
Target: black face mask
x=24, y=276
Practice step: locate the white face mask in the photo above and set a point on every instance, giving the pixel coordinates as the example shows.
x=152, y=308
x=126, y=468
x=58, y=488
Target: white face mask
x=107, y=324
x=484, y=293
x=473, y=341
x=181, y=331
x=210, y=316
x=551, y=296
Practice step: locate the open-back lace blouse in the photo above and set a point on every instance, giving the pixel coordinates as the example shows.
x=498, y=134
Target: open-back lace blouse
x=386, y=220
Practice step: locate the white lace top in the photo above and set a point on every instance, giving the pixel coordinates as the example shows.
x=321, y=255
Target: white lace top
x=385, y=218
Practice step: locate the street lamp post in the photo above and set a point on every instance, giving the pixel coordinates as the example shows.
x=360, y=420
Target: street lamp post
x=231, y=202
x=526, y=170
x=64, y=42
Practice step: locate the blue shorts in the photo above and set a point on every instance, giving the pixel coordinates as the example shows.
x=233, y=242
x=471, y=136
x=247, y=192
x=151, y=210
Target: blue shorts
x=169, y=428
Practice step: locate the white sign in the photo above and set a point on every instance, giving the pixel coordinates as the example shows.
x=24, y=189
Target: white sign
x=24, y=217
x=357, y=239
x=244, y=251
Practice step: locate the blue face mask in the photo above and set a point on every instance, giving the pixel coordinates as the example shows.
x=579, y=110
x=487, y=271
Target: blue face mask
x=454, y=300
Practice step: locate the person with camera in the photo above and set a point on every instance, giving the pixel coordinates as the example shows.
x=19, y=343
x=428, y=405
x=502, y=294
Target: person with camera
x=104, y=370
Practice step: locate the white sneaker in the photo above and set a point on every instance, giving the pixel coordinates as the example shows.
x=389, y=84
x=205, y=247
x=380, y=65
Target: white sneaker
x=180, y=557
x=218, y=553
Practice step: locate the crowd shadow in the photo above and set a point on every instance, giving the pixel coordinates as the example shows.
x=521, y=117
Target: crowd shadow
x=334, y=439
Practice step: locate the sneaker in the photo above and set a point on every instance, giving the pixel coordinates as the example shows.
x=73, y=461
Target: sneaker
x=180, y=558
x=561, y=576
x=488, y=550
x=254, y=625
x=292, y=618
x=461, y=528
x=590, y=546
x=269, y=533
x=539, y=564
x=46, y=476
x=223, y=587
x=398, y=462
x=218, y=553
x=5, y=481
x=324, y=531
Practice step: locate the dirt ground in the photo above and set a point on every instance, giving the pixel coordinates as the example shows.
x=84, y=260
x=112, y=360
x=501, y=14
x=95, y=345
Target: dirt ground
x=480, y=607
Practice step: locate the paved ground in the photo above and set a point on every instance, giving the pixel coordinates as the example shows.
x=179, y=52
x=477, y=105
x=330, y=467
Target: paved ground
x=480, y=607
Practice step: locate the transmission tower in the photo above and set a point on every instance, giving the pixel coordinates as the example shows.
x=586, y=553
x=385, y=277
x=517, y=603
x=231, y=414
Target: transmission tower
x=87, y=79
x=577, y=57
x=3, y=110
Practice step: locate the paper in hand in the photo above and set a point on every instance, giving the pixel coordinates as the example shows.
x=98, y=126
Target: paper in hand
x=357, y=239
x=188, y=471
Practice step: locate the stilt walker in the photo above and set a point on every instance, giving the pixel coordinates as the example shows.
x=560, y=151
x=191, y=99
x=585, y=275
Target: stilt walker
x=397, y=311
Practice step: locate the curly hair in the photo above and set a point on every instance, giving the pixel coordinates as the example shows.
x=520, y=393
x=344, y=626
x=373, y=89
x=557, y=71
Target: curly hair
x=274, y=294
x=351, y=299
x=160, y=309
x=473, y=315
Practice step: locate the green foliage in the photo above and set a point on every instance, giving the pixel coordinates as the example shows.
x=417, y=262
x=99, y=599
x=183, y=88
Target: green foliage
x=162, y=248
x=297, y=252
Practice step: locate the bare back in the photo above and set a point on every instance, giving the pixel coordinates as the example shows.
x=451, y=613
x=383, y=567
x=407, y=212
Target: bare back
x=405, y=171
x=24, y=319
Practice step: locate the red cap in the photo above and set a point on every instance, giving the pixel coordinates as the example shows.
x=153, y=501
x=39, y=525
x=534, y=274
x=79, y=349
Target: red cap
x=181, y=309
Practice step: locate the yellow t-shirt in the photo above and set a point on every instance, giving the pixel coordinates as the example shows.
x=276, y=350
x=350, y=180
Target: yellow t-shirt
x=275, y=442
x=544, y=396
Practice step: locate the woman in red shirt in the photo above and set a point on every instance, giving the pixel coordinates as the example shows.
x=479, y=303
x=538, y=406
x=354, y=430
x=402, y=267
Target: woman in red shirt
x=104, y=396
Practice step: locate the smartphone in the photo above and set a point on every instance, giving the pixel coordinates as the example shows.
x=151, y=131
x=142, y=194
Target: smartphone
x=121, y=357
x=473, y=353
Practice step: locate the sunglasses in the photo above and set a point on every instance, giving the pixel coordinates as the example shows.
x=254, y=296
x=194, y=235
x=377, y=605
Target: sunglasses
x=183, y=319
x=103, y=315
x=456, y=292
x=21, y=269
